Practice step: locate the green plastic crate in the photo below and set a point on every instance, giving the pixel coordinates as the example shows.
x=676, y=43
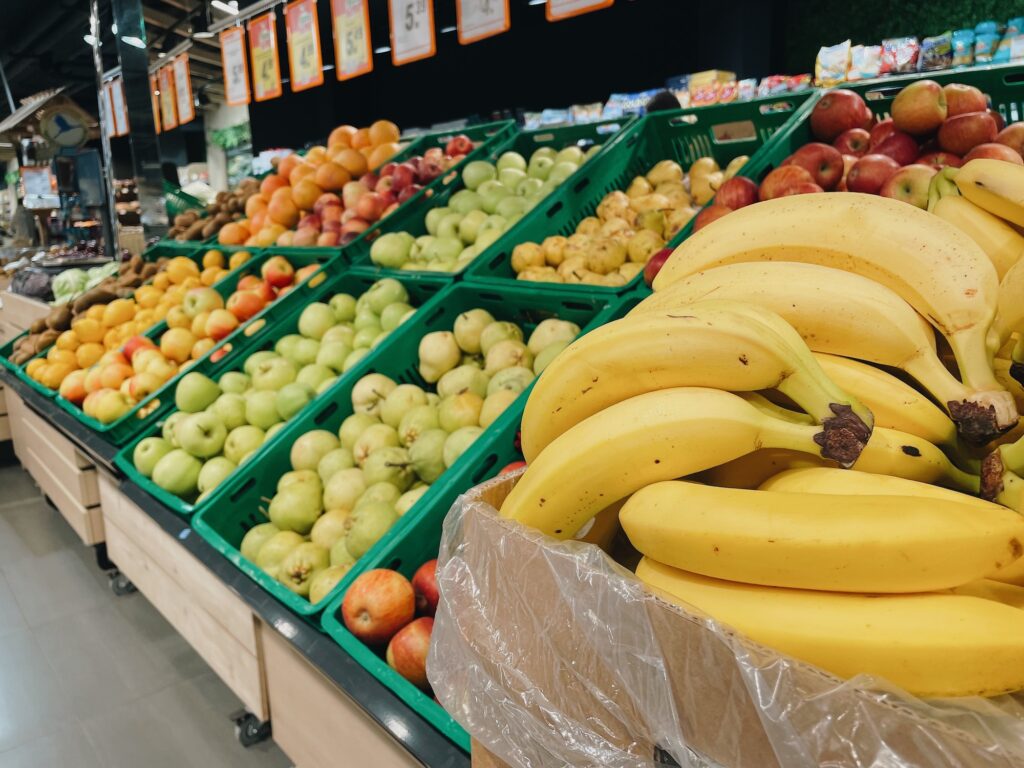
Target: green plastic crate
x=277, y=320
x=412, y=219
x=177, y=201
x=724, y=132
x=234, y=506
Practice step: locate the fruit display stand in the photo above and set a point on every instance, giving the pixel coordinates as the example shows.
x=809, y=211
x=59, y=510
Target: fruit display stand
x=5, y=421
x=722, y=132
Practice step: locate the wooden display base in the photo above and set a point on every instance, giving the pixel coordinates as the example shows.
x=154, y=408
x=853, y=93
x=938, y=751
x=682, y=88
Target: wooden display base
x=5, y=421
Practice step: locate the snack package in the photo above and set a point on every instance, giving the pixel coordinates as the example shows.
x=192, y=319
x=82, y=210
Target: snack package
x=936, y=52
x=772, y=85
x=1010, y=42
x=727, y=91
x=963, y=48
x=985, y=45
x=986, y=28
x=797, y=83
x=746, y=89
x=865, y=62
x=832, y=64
x=899, y=55
x=586, y=113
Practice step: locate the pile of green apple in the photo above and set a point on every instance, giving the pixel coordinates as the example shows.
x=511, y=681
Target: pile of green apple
x=346, y=490
x=219, y=424
x=494, y=198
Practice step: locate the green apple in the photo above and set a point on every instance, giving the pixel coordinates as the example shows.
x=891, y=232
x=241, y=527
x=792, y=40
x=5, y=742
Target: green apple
x=594, y=149
x=202, y=434
x=325, y=385
x=469, y=227
x=434, y=216
x=365, y=318
x=511, y=160
x=392, y=316
x=540, y=167
x=274, y=373
x=529, y=187
x=343, y=306
x=333, y=353
x=391, y=250
x=549, y=152
x=242, y=441
x=292, y=398
x=572, y=155
x=261, y=408
x=422, y=242
x=365, y=337
x=285, y=346
x=512, y=206
x=445, y=249
x=313, y=375
x=170, y=428
x=270, y=433
x=315, y=319
x=253, y=360
x=379, y=338
x=449, y=227
x=195, y=392
x=486, y=238
x=561, y=171
x=494, y=222
x=305, y=352
x=464, y=201
x=177, y=472
x=148, y=452
x=492, y=193
x=214, y=472
x=383, y=292
x=477, y=172
x=342, y=333
x=230, y=409
x=511, y=177
x=357, y=355
x=235, y=382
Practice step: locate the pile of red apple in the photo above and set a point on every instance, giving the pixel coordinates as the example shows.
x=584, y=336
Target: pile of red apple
x=381, y=609
x=932, y=126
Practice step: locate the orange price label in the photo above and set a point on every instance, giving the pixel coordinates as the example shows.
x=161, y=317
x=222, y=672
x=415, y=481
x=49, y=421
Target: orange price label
x=168, y=106
x=304, y=58
x=563, y=9
x=233, y=63
x=155, y=98
x=353, y=52
x=477, y=19
x=109, y=123
x=183, y=89
x=266, y=71
x=412, y=30
x=120, y=109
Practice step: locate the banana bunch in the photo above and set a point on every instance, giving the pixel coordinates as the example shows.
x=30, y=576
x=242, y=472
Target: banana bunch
x=813, y=436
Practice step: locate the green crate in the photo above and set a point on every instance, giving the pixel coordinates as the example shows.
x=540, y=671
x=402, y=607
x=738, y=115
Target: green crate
x=264, y=331
x=156, y=405
x=724, y=132
x=412, y=219
x=177, y=201
x=233, y=507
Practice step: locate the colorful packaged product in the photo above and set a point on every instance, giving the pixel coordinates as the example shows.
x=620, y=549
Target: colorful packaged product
x=865, y=62
x=899, y=55
x=936, y=52
x=963, y=48
x=832, y=64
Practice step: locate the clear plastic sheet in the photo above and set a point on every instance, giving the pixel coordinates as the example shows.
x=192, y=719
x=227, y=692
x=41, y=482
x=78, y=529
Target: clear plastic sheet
x=550, y=654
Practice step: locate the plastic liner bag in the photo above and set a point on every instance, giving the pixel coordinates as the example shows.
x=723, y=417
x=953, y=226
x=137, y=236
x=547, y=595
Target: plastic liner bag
x=549, y=653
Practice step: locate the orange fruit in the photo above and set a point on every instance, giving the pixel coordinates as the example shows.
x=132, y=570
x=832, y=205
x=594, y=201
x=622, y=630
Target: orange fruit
x=238, y=258
x=33, y=366
x=209, y=275
x=62, y=356
x=87, y=354
x=148, y=296
x=54, y=373
x=301, y=171
x=176, y=318
x=305, y=194
x=112, y=339
x=384, y=132
x=331, y=176
x=287, y=164
x=88, y=329
x=232, y=233
x=316, y=155
x=176, y=344
x=361, y=138
x=341, y=136
x=271, y=182
x=119, y=311
x=213, y=257
x=181, y=267
x=161, y=281
x=67, y=340
x=380, y=155
x=352, y=161
x=283, y=212
x=253, y=205
x=192, y=281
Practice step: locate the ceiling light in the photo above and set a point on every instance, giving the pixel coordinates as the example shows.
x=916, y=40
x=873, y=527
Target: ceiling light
x=161, y=55
x=382, y=49
x=445, y=30
x=537, y=2
x=133, y=41
x=113, y=27
x=90, y=39
x=222, y=6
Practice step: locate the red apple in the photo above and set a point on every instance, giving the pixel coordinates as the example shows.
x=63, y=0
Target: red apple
x=386, y=184
x=870, y=172
x=331, y=213
x=1013, y=137
x=710, y=213
x=910, y=184
x=939, y=160
x=348, y=237
x=369, y=180
x=783, y=177
x=278, y=271
x=356, y=225
x=325, y=200
x=898, y=145
x=334, y=226
x=415, y=161
x=853, y=142
x=964, y=132
x=737, y=192
x=310, y=220
x=248, y=282
x=389, y=210
x=306, y=271
x=803, y=188
x=458, y=145
x=370, y=206
x=848, y=163
x=134, y=344
x=351, y=193
x=348, y=214
x=388, y=198
x=838, y=111
x=962, y=98
x=512, y=466
x=305, y=237
x=378, y=604
x=654, y=265
x=822, y=161
x=387, y=169
x=919, y=108
x=430, y=169
x=408, y=649
x=408, y=192
x=424, y=584
x=994, y=151
x=265, y=291
x=434, y=153
x=404, y=175
x=880, y=132
x=245, y=304
x=1000, y=120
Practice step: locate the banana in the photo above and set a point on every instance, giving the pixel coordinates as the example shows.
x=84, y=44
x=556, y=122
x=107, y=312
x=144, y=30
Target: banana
x=934, y=266
x=995, y=186
x=1001, y=243
x=840, y=313
x=832, y=542
x=717, y=344
x=654, y=436
x=1010, y=316
x=755, y=468
x=988, y=589
x=767, y=407
x=942, y=185
x=931, y=645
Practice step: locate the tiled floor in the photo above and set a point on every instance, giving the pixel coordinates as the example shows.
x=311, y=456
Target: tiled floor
x=90, y=680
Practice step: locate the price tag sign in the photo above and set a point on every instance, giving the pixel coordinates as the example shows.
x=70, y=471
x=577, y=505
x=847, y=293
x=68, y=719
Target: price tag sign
x=477, y=19
x=412, y=30
x=183, y=89
x=232, y=59
x=168, y=106
x=120, y=109
x=266, y=71
x=564, y=9
x=109, y=125
x=304, y=59
x=353, y=52
x=155, y=98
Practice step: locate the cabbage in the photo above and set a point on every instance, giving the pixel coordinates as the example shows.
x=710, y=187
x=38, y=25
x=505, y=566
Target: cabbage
x=98, y=274
x=67, y=284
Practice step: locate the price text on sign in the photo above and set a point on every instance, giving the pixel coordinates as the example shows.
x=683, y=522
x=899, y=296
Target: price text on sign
x=478, y=19
x=183, y=89
x=266, y=72
x=304, y=59
x=412, y=30
x=232, y=57
x=155, y=98
x=353, y=53
x=168, y=108
x=120, y=108
x=557, y=10
x=109, y=123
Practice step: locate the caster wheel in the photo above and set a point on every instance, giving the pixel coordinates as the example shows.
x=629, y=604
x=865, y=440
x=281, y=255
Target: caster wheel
x=250, y=730
x=120, y=585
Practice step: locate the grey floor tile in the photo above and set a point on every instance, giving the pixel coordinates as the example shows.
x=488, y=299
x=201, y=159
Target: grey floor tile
x=53, y=585
x=65, y=748
x=31, y=528
x=17, y=485
x=11, y=619
x=130, y=736
x=32, y=702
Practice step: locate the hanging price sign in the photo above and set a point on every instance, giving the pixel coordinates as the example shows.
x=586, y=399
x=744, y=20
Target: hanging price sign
x=155, y=98
x=564, y=9
x=109, y=124
x=266, y=72
x=120, y=109
x=353, y=54
x=477, y=19
x=412, y=30
x=232, y=59
x=183, y=89
x=304, y=59
x=168, y=107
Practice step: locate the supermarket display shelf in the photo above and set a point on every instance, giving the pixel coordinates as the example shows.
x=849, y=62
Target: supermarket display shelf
x=417, y=736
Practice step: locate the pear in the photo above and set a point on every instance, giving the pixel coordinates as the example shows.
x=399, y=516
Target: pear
x=324, y=581
x=389, y=465
x=330, y=526
x=506, y=354
x=353, y=426
x=549, y=331
x=344, y=489
x=276, y=548
x=295, y=508
x=370, y=523
x=497, y=332
x=374, y=438
x=334, y=461
x=340, y=555
x=255, y=538
x=438, y=354
x=468, y=327
x=417, y=421
x=427, y=454
x=495, y=404
x=385, y=492
x=300, y=566
x=545, y=356
x=408, y=499
x=458, y=442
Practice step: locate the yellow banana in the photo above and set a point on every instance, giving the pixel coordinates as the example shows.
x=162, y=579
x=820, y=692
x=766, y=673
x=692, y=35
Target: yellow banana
x=989, y=589
x=995, y=186
x=833, y=542
x=934, y=266
x=718, y=344
x=840, y=313
x=931, y=645
x=1010, y=313
x=1001, y=243
x=775, y=410
x=758, y=466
